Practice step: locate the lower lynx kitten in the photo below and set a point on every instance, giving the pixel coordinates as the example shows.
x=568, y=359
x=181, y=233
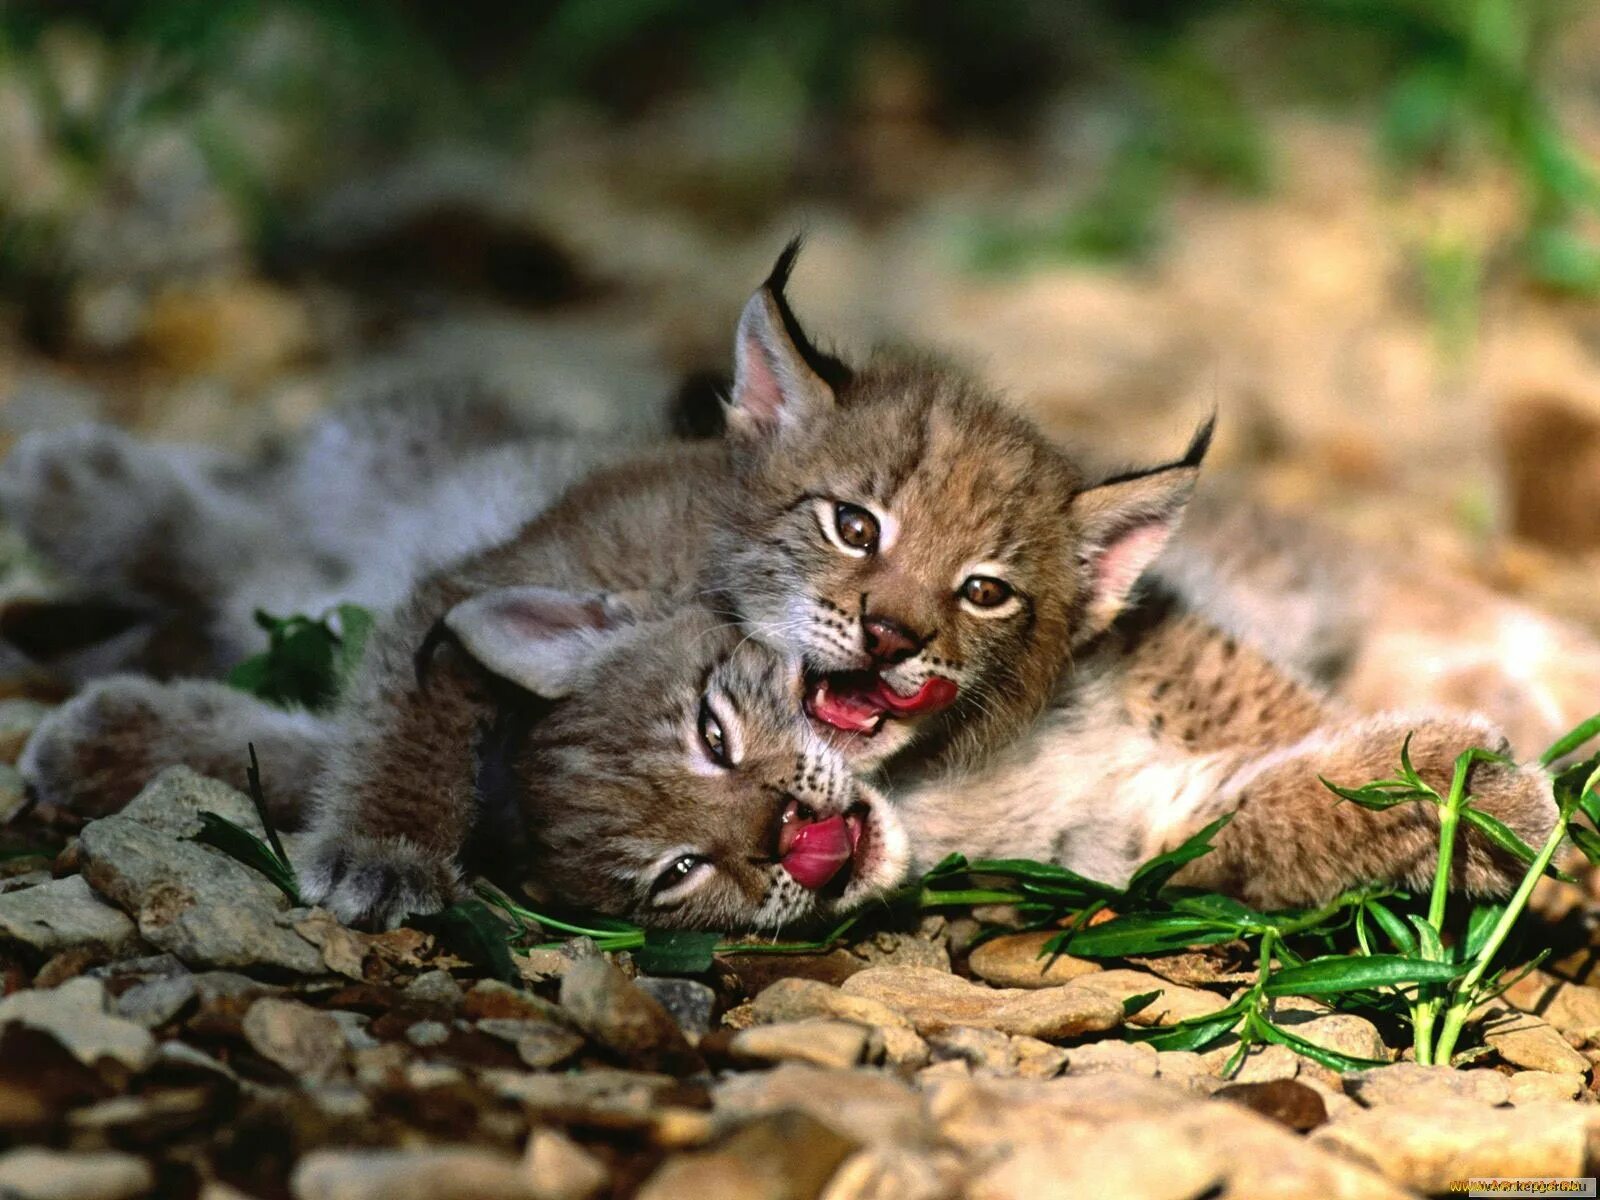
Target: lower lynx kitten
x=933, y=576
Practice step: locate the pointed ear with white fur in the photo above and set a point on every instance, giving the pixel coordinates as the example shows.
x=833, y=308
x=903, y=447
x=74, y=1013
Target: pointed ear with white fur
x=780, y=380
x=541, y=638
x=1125, y=523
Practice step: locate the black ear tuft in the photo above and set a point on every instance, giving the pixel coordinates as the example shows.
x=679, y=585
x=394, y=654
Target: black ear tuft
x=1200, y=443
x=1192, y=457
x=831, y=370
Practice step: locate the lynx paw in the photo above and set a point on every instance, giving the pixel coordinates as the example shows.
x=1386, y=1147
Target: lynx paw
x=375, y=883
x=90, y=498
x=92, y=755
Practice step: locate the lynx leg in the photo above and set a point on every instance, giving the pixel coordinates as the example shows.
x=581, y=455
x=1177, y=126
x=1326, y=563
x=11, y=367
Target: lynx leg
x=95, y=753
x=395, y=807
x=1292, y=842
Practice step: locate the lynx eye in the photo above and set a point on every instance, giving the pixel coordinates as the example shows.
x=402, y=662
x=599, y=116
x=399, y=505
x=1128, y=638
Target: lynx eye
x=712, y=737
x=856, y=527
x=678, y=872
x=983, y=591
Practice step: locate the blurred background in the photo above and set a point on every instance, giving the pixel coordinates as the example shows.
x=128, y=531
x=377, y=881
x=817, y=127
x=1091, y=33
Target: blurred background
x=1368, y=231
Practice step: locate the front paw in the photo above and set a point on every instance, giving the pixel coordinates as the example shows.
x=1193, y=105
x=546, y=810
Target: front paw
x=93, y=754
x=87, y=497
x=375, y=883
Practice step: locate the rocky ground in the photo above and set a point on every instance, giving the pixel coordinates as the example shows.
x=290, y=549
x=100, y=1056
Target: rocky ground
x=172, y=1027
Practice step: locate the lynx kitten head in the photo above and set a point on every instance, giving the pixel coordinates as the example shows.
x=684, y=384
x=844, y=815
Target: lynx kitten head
x=931, y=556
x=664, y=772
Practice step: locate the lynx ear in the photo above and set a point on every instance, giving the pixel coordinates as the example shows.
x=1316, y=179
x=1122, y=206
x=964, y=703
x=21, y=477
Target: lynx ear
x=780, y=380
x=1125, y=523
x=541, y=638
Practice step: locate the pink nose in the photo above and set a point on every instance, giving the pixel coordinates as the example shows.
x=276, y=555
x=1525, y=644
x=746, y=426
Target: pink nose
x=817, y=852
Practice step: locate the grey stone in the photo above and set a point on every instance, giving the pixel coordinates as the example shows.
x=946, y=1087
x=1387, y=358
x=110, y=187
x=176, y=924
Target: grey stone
x=63, y=914
x=306, y=1042
x=1429, y=1148
x=77, y=1014
x=1014, y=961
x=820, y=1043
x=934, y=1000
x=1525, y=1040
x=1174, y=1003
x=35, y=1174
x=687, y=1001
x=1416, y=1086
x=436, y=987
x=1126, y=1058
x=420, y=1174
x=427, y=1034
x=615, y=1012
x=801, y=999
x=560, y=1169
x=355, y=1026
x=1541, y=1087
x=540, y=1044
x=187, y=898
x=156, y=1001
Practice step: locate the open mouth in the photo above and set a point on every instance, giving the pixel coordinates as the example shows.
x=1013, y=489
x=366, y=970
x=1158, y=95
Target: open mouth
x=859, y=702
x=824, y=854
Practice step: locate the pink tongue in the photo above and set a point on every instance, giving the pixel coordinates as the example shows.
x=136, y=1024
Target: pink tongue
x=934, y=694
x=818, y=852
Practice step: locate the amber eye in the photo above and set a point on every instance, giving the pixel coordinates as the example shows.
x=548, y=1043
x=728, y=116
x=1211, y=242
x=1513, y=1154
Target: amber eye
x=711, y=735
x=857, y=528
x=679, y=870
x=984, y=592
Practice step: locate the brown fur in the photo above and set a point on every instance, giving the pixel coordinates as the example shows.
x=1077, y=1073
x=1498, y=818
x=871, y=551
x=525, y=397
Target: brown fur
x=1292, y=842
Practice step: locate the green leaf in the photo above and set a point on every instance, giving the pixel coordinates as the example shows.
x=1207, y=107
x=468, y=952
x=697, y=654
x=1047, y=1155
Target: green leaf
x=1374, y=796
x=471, y=930
x=950, y=864
x=1189, y=1035
x=1153, y=875
x=1571, y=740
x=1408, y=771
x=1499, y=833
x=1480, y=924
x=245, y=847
x=1587, y=841
x=1332, y=1059
x=1141, y=933
x=1140, y=1002
x=1048, y=875
x=1427, y=937
x=1337, y=973
x=307, y=659
x=677, y=951
x=1215, y=906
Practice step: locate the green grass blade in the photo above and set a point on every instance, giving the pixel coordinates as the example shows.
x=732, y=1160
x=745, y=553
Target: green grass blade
x=245, y=847
x=1349, y=973
x=1570, y=741
x=1141, y=933
x=1153, y=875
x=1332, y=1059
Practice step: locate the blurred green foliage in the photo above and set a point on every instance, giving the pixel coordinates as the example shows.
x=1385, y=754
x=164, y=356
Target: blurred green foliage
x=282, y=96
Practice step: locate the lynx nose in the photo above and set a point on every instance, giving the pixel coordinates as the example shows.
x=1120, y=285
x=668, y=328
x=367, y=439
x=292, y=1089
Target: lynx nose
x=888, y=641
